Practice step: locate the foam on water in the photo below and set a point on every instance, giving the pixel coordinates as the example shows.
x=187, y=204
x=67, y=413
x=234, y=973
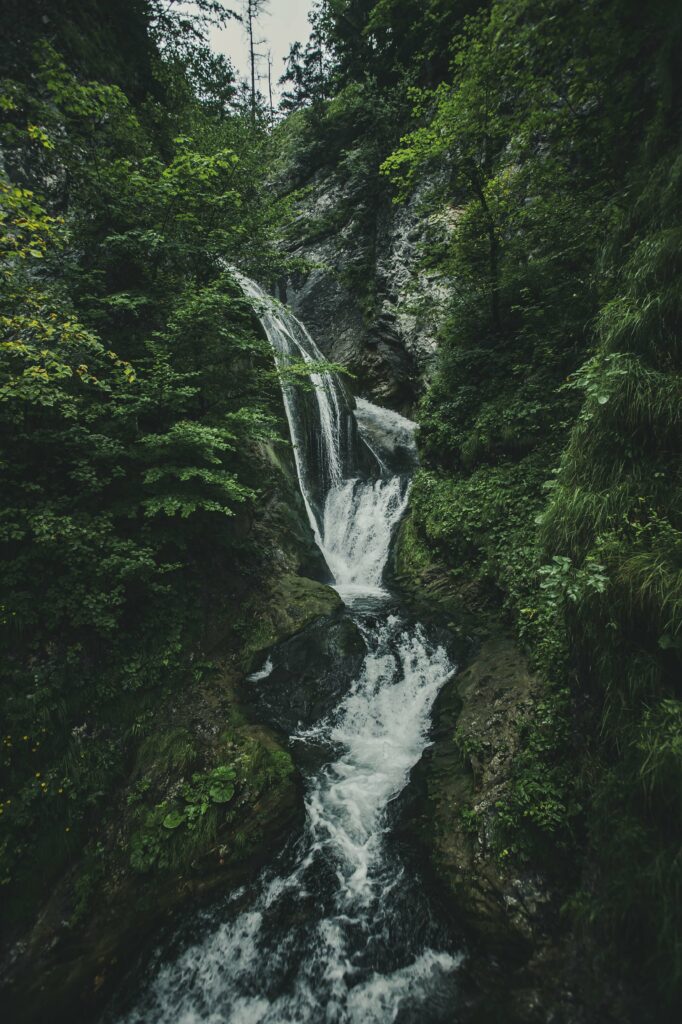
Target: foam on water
x=262, y=673
x=360, y=517
x=316, y=970
x=381, y=728
x=389, y=435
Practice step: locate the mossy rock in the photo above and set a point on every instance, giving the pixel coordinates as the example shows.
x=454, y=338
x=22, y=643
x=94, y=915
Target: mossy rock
x=434, y=591
x=462, y=778
x=312, y=670
x=292, y=603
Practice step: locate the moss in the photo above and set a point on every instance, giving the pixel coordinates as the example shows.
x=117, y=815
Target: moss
x=163, y=752
x=199, y=814
x=290, y=605
x=479, y=722
x=201, y=809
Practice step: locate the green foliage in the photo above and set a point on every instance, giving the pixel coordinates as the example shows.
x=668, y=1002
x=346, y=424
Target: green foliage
x=469, y=745
x=470, y=820
x=135, y=390
x=551, y=426
x=196, y=809
x=616, y=502
x=164, y=752
x=186, y=824
x=537, y=815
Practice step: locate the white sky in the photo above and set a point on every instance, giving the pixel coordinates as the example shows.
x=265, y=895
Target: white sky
x=286, y=22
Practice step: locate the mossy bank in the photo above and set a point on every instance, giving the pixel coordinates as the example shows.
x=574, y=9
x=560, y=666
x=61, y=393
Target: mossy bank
x=202, y=795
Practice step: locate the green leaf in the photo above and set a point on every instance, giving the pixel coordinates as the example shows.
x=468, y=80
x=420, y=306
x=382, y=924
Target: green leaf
x=221, y=789
x=173, y=820
x=221, y=792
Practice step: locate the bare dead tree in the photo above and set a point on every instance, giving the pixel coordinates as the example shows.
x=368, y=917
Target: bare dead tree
x=253, y=9
x=272, y=110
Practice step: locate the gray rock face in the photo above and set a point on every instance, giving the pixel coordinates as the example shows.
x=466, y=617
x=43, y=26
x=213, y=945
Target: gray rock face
x=467, y=771
x=364, y=298
x=309, y=673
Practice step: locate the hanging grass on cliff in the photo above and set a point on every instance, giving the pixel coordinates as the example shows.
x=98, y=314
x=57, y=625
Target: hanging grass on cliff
x=551, y=428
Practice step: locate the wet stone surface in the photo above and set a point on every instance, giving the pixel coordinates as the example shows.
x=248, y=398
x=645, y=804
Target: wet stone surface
x=310, y=673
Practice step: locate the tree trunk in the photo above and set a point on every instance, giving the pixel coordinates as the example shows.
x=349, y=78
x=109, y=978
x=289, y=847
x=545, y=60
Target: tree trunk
x=493, y=250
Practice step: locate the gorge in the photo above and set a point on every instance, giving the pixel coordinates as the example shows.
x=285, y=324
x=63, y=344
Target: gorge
x=324, y=933
x=340, y=513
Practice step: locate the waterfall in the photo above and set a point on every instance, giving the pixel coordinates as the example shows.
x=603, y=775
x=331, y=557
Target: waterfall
x=359, y=520
x=346, y=462
x=320, y=422
x=338, y=929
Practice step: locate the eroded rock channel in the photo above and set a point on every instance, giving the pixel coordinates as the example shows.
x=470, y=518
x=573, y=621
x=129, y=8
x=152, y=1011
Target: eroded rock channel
x=340, y=927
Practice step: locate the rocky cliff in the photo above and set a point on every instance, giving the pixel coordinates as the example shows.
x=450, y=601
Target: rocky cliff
x=362, y=291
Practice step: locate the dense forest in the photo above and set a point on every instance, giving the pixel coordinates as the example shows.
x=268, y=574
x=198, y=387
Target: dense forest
x=154, y=542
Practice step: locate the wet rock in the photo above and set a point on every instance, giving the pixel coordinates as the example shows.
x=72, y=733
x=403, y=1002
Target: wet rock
x=529, y=969
x=463, y=778
x=282, y=524
x=310, y=673
x=272, y=614
x=66, y=968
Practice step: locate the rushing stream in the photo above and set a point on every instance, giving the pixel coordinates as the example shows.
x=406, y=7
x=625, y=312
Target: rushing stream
x=339, y=928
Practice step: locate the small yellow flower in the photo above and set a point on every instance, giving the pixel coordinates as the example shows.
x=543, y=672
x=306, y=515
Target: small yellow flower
x=37, y=775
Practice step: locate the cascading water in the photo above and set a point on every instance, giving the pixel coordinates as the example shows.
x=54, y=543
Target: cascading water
x=337, y=930
x=352, y=517
x=322, y=429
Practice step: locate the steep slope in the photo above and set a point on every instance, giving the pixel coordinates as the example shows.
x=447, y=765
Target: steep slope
x=542, y=234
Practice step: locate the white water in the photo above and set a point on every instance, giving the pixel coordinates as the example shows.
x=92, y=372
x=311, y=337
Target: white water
x=380, y=727
x=389, y=435
x=291, y=341
x=331, y=961
x=337, y=931
x=359, y=520
x=360, y=516
x=262, y=673
x=357, y=517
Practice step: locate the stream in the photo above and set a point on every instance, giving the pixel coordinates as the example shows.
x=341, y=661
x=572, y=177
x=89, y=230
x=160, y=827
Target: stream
x=340, y=928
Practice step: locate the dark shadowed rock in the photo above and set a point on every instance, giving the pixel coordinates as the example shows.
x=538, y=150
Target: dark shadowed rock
x=310, y=672
x=364, y=297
